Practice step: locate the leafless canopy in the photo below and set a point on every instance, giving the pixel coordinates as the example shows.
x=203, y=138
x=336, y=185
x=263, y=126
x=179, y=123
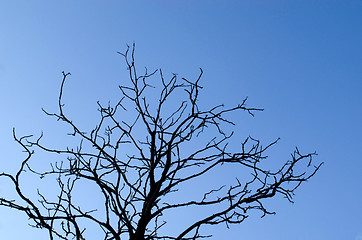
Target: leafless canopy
x=141, y=154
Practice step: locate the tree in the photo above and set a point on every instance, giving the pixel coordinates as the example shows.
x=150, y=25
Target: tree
x=142, y=151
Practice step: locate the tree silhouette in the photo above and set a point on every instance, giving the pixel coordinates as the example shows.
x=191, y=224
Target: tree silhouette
x=155, y=142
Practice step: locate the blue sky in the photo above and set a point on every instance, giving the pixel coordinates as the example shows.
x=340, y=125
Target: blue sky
x=300, y=60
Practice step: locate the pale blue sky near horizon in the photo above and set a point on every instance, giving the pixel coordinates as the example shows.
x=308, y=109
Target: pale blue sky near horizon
x=299, y=60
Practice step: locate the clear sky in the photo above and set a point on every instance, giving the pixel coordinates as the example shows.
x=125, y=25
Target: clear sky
x=300, y=60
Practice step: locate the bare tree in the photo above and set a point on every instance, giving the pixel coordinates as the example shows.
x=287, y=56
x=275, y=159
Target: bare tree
x=155, y=141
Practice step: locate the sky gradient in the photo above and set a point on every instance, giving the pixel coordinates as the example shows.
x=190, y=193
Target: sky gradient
x=299, y=60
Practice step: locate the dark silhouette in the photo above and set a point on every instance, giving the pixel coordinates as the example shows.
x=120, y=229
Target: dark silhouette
x=145, y=151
